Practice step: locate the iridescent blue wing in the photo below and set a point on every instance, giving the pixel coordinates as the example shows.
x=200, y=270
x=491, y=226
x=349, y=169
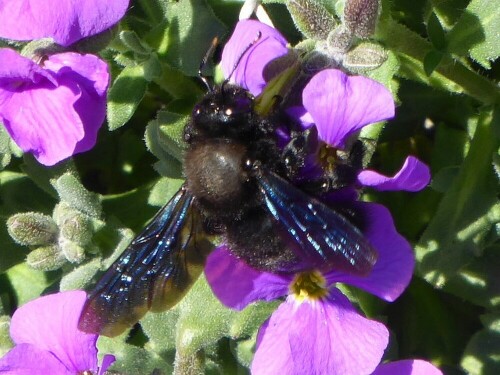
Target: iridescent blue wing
x=320, y=236
x=153, y=273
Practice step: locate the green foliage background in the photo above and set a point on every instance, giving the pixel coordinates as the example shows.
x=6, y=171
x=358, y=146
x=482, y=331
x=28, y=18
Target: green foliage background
x=443, y=69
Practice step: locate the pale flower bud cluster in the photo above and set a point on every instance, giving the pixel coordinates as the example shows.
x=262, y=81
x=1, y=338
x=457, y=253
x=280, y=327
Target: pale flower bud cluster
x=63, y=237
x=338, y=43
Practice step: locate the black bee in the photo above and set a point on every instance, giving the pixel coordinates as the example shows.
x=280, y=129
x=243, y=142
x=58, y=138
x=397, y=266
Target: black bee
x=239, y=186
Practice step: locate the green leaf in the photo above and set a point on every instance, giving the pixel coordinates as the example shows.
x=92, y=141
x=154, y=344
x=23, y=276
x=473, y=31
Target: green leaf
x=131, y=359
x=125, y=94
x=42, y=176
x=200, y=323
x=161, y=340
x=163, y=190
x=5, y=342
x=174, y=82
x=80, y=277
x=27, y=283
x=458, y=231
x=443, y=179
x=431, y=61
x=152, y=68
x=245, y=326
x=476, y=32
x=436, y=32
x=479, y=281
x=134, y=43
x=481, y=356
x=5, y=152
x=190, y=23
x=166, y=134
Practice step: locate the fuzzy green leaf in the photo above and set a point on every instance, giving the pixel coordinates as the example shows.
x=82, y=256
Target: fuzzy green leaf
x=81, y=276
x=431, y=61
x=163, y=190
x=131, y=359
x=458, y=231
x=125, y=95
x=481, y=355
x=476, y=32
x=436, y=32
x=5, y=152
x=166, y=134
x=5, y=341
x=190, y=23
x=203, y=320
x=134, y=43
x=27, y=282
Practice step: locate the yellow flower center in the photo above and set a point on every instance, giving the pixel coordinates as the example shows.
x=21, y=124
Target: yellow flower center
x=328, y=157
x=310, y=285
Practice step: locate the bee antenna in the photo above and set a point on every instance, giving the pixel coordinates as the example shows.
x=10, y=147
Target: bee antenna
x=203, y=63
x=250, y=45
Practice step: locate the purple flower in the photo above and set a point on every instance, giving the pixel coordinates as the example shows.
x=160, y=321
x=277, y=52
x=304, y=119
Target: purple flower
x=317, y=330
x=55, y=109
x=249, y=71
x=65, y=21
x=48, y=341
x=337, y=104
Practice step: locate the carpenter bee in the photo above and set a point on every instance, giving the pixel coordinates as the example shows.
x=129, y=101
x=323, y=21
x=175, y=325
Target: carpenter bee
x=239, y=185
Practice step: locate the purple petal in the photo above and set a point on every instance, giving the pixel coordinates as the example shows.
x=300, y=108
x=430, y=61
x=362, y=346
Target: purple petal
x=245, y=284
x=323, y=338
x=107, y=361
x=300, y=114
x=65, y=22
x=341, y=105
x=413, y=176
x=92, y=77
x=16, y=70
x=27, y=359
x=50, y=323
x=249, y=71
x=394, y=268
x=56, y=121
x=407, y=367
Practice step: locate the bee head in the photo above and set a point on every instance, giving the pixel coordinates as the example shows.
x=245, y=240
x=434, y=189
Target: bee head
x=227, y=111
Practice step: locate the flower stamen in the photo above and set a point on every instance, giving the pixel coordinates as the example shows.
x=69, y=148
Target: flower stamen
x=328, y=157
x=309, y=285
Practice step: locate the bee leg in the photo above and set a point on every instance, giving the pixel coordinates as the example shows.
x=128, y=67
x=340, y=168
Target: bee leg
x=302, y=146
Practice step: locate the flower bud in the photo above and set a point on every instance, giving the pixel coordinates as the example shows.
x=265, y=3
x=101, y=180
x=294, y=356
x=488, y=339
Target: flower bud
x=32, y=228
x=73, y=252
x=364, y=57
x=311, y=18
x=77, y=229
x=72, y=192
x=360, y=17
x=339, y=40
x=46, y=258
x=63, y=212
